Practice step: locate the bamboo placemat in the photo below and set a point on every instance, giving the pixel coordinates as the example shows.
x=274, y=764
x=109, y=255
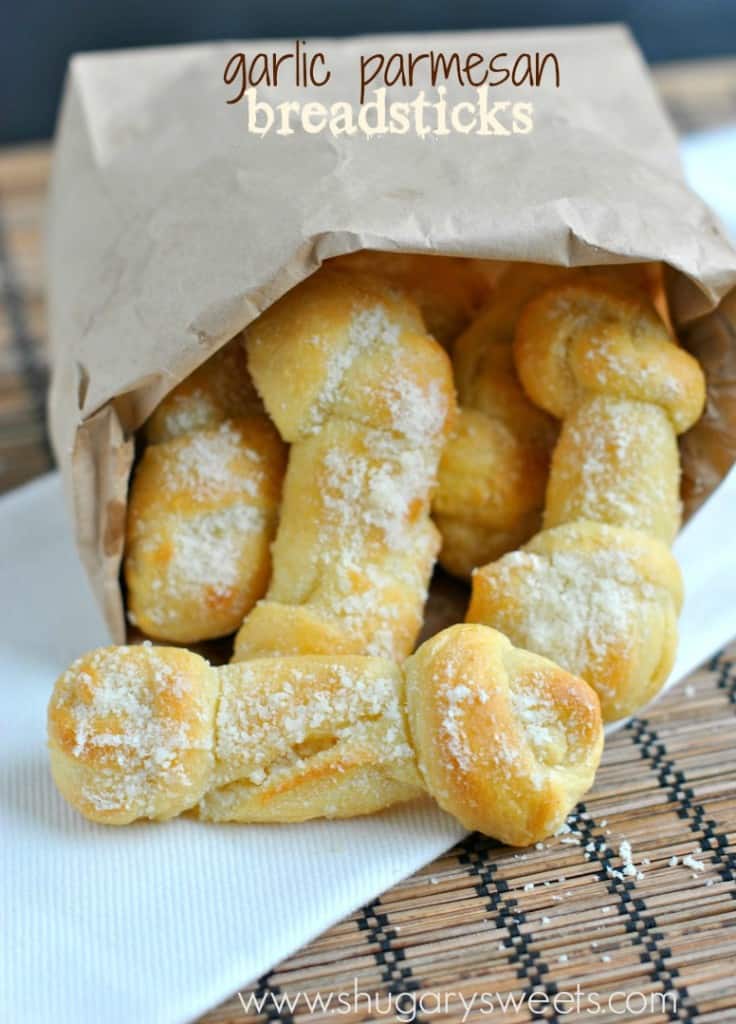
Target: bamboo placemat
x=487, y=919
x=24, y=447
x=484, y=919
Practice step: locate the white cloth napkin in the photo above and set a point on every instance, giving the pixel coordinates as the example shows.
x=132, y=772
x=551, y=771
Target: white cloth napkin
x=160, y=923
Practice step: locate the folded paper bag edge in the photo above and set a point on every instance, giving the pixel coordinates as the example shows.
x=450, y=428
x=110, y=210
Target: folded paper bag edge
x=95, y=449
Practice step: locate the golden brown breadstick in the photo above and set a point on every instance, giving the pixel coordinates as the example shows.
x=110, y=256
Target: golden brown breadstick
x=616, y=462
x=494, y=469
x=218, y=390
x=490, y=488
x=203, y=506
x=503, y=739
x=506, y=741
x=598, y=590
x=448, y=290
x=364, y=395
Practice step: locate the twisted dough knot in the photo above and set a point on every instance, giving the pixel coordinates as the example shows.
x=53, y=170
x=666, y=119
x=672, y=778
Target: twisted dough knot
x=366, y=397
x=490, y=491
x=581, y=339
x=598, y=590
x=130, y=732
x=601, y=600
x=348, y=346
x=507, y=741
x=447, y=289
x=203, y=505
x=220, y=389
x=503, y=739
x=493, y=473
x=494, y=467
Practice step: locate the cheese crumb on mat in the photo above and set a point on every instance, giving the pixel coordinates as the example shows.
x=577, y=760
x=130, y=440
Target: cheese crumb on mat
x=630, y=869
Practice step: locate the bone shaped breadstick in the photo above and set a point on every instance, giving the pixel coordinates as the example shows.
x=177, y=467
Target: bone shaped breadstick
x=364, y=395
x=504, y=740
x=203, y=505
x=448, y=290
x=598, y=590
x=494, y=468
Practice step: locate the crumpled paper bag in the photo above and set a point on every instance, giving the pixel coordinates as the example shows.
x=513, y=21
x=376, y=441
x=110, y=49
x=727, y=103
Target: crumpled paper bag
x=171, y=227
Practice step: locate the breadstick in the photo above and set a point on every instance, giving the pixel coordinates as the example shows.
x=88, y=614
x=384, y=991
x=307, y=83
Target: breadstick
x=218, y=390
x=502, y=739
x=448, y=290
x=203, y=506
x=598, y=590
x=494, y=469
x=364, y=395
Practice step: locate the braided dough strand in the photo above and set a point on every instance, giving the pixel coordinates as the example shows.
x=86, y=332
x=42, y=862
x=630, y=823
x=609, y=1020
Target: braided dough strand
x=495, y=466
x=203, y=506
x=448, y=290
x=503, y=739
x=598, y=590
x=218, y=390
x=365, y=397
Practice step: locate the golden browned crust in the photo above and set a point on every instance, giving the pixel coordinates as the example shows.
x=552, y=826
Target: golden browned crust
x=506, y=741
x=366, y=397
x=201, y=516
x=220, y=389
x=448, y=290
x=490, y=491
x=616, y=462
x=493, y=473
x=147, y=732
x=303, y=350
x=580, y=339
x=598, y=591
x=601, y=601
x=308, y=737
x=203, y=505
x=505, y=480
x=130, y=732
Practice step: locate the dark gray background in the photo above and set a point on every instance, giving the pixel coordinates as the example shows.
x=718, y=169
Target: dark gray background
x=37, y=36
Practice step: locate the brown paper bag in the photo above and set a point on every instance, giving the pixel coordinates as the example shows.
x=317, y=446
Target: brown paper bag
x=171, y=226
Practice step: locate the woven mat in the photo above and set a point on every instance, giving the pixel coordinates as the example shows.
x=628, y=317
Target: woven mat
x=24, y=446
x=485, y=921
